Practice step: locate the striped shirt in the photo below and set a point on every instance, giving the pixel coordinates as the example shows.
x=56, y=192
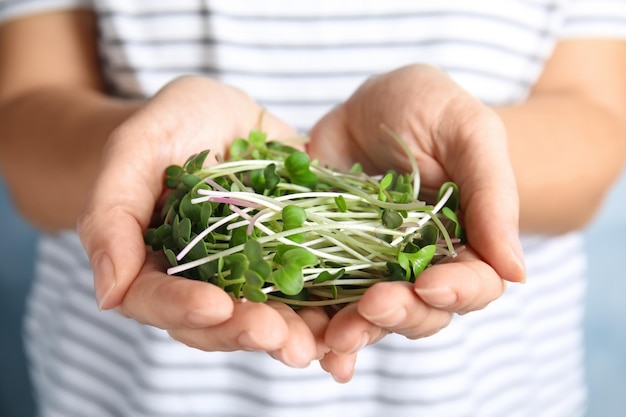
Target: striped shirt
x=521, y=356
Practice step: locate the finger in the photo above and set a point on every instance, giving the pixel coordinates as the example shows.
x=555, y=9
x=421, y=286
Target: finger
x=111, y=227
x=252, y=327
x=463, y=285
x=349, y=332
x=341, y=367
x=300, y=348
x=277, y=129
x=331, y=145
x=396, y=307
x=477, y=160
x=317, y=320
x=170, y=302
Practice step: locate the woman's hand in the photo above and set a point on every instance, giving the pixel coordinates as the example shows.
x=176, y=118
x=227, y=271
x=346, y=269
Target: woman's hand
x=188, y=115
x=454, y=138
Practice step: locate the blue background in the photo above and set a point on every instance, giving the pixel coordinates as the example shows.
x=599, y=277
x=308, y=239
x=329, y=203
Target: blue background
x=605, y=319
x=606, y=307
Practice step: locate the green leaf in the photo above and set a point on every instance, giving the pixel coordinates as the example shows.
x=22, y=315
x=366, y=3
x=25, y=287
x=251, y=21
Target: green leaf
x=238, y=148
x=198, y=251
x=159, y=237
x=356, y=169
x=422, y=259
x=254, y=294
x=234, y=187
x=253, y=279
x=386, y=181
x=207, y=271
x=293, y=217
x=206, y=211
x=257, y=138
x=414, y=259
x=288, y=279
x=237, y=264
x=253, y=251
x=302, y=296
x=181, y=229
x=170, y=205
x=327, y=276
x=257, y=180
x=261, y=267
x=453, y=202
x=399, y=198
x=298, y=257
x=190, y=180
x=298, y=166
x=334, y=291
x=342, y=206
x=264, y=180
x=402, y=187
x=188, y=209
x=150, y=239
x=195, y=162
x=271, y=177
x=280, y=250
x=456, y=230
x=172, y=176
x=171, y=256
x=235, y=289
x=396, y=272
x=392, y=219
x=405, y=263
x=238, y=236
x=171, y=182
x=428, y=235
x=277, y=146
x=174, y=171
x=410, y=248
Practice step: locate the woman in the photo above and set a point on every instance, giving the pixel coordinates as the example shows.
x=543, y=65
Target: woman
x=499, y=110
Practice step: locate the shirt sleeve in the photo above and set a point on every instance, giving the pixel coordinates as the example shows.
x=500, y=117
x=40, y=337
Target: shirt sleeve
x=11, y=9
x=595, y=19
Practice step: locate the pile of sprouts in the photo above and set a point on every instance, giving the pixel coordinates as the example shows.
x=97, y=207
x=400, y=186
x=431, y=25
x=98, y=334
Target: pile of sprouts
x=269, y=223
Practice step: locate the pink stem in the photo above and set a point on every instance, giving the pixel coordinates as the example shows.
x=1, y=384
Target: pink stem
x=215, y=185
x=233, y=201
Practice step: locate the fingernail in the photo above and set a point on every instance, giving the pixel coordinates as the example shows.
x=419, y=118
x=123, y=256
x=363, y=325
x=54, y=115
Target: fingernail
x=247, y=341
x=437, y=297
x=389, y=318
x=104, y=278
x=200, y=317
x=515, y=246
x=365, y=339
x=282, y=356
x=343, y=377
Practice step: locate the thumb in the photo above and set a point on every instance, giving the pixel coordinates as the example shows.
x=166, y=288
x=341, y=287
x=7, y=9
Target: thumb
x=111, y=227
x=277, y=129
x=478, y=161
x=331, y=143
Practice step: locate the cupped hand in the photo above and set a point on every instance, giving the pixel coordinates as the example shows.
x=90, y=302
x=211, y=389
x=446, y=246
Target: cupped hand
x=187, y=116
x=453, y=137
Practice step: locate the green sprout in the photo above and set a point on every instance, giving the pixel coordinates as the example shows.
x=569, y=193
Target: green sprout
x=269, y=223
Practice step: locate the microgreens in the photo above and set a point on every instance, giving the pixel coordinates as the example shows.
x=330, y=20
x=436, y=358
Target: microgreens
x=269, y=223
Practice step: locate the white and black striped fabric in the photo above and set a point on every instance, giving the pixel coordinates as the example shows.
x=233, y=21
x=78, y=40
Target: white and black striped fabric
x=520, y=357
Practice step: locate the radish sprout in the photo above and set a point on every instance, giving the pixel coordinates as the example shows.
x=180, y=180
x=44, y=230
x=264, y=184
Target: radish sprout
x=270, y=224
